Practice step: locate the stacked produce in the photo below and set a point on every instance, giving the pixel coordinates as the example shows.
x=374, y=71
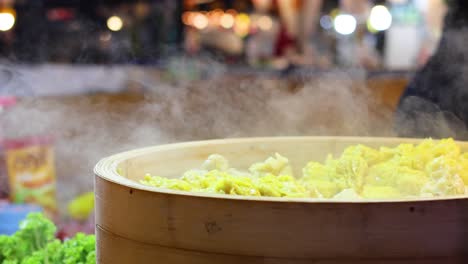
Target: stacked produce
x=429, y=169
x=35, y=243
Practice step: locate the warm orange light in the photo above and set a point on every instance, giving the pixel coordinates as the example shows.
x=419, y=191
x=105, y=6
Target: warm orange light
x=186, y=17
x=217, y=12
x=215, y=17
x=227, y=21
x=7, y=19
x=200, y=21
x=232, y=12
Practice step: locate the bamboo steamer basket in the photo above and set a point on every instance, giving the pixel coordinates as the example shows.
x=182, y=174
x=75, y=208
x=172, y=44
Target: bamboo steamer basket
x=140, y=224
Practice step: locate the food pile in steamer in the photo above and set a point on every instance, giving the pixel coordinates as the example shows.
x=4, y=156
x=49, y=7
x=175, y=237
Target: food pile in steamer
x=428, y=169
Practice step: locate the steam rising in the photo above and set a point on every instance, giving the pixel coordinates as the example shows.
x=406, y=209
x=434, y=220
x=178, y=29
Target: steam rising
x=417, y=114
x=89, y=128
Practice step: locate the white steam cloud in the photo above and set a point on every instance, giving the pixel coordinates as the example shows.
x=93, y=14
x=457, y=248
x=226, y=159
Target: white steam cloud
x=220, y=105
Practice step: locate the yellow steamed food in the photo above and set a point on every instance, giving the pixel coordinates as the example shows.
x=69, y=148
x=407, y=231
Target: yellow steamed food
x=429, y=169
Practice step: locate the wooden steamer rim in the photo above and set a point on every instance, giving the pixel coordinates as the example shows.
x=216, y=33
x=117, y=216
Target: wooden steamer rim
x=159, y=223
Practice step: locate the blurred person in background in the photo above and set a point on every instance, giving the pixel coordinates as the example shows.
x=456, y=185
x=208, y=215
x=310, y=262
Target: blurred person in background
x=433, y=24
x=298, y=34
x=358, y=49
x=435, y=104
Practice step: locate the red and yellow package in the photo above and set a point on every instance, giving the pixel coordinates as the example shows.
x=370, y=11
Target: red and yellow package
x=31, y=172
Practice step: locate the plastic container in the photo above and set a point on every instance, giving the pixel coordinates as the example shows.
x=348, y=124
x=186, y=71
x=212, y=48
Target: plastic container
x=12, y=214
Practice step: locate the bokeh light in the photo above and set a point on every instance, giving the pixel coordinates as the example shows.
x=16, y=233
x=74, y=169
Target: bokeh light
x=186, y=17
x=380, y=18
x=200, y=21
x=242, y=25
x=345, y=24
x=326, y=22
x=7, y=21
x=226, y=21
x=114, y=23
